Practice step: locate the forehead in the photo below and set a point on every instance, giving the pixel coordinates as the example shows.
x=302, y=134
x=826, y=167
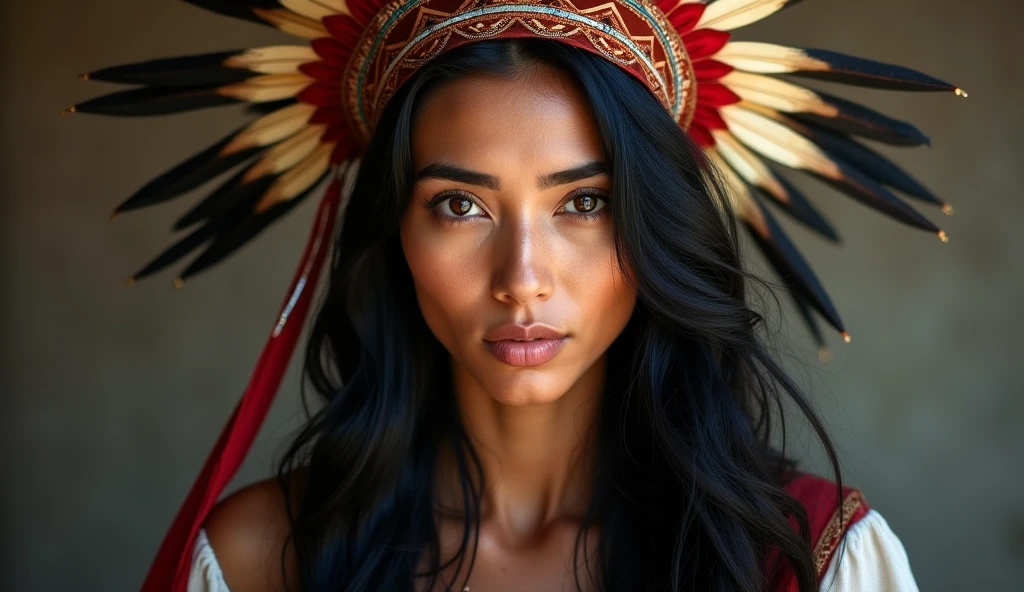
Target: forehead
x=538, y=120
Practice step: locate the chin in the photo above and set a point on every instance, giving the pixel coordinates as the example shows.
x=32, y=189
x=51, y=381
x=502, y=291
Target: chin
x=527, y=386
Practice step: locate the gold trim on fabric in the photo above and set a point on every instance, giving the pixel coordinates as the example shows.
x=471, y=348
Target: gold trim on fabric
x=830, y=537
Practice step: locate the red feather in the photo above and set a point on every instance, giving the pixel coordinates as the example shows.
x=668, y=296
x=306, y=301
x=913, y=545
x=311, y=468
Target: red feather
x=704, y=43
x=331, y=50
x=701, y=135
x=343, y=151
x=322, y=71
x=714, y=94
x=709, y=117
x=334, y=133
x=686, y=16
x=321, y=94
x=363, y=11
x=344, y=29
x=708, y=70
x=329, y=114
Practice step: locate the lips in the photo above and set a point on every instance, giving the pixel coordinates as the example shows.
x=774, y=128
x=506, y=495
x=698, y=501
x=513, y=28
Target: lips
x=519, y=345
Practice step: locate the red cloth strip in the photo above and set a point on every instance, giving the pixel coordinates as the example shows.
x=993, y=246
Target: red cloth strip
x=170, y=569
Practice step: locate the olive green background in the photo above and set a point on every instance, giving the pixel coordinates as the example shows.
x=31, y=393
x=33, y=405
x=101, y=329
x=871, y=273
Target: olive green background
x=112, y=396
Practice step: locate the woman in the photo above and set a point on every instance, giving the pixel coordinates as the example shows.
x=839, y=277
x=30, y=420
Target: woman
x=536, y=324
x=537, y=364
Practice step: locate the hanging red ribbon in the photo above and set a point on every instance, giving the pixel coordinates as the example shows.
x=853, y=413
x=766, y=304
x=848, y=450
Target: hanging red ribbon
x=170, y=569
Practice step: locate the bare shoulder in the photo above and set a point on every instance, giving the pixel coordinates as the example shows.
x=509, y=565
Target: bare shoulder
x=248, y=531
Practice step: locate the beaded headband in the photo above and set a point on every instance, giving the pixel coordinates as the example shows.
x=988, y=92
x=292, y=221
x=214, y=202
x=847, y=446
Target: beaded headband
x=315, y=106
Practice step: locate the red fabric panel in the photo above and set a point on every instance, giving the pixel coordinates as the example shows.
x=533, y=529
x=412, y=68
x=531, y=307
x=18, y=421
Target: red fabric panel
x=818, y=497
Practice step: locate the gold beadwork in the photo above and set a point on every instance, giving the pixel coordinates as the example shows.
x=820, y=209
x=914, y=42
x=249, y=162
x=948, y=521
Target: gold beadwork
x=833, y=532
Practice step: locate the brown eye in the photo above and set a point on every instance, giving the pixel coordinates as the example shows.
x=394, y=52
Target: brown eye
x=585, y=204
x=460, y=206
x=457, y=206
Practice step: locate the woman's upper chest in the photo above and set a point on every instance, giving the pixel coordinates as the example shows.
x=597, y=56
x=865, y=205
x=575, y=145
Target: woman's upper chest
x=540, y=562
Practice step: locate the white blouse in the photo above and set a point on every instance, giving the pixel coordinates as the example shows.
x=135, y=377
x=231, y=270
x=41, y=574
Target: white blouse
x=873, y=559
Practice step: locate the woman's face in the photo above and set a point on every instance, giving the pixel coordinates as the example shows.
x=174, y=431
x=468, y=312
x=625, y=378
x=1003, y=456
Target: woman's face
x=507, y=226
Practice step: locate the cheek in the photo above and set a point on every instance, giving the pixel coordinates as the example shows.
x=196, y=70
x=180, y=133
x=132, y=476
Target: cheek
x=447, y=273
x=603, y=296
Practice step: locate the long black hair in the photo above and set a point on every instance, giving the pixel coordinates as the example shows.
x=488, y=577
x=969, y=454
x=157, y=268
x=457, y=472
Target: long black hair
x=688, y=483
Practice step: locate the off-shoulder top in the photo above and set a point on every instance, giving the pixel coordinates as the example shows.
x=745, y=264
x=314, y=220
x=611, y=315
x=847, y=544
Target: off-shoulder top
x=871, y=559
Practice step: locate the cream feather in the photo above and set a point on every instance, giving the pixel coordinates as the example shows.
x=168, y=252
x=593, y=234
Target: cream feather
x=287, y=154
x=767, y=58
x=272, y=127
x=299, y=178
x=316, y=9
x=278, y=59
x=748, y=165
x=726, y=15
x=740, y=199
x=777, y=94
x=777, y=142
x=269, y=87
x=292, y=23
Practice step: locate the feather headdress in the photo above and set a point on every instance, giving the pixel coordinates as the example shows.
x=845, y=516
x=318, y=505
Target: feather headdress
x=315, y=104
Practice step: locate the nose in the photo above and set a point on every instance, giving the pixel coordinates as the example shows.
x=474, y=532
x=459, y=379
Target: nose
x=523, y=264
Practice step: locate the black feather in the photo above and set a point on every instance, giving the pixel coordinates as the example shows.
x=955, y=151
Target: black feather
x=878, y=167
x=242, y=9
x=195, y=70
x=842, y=148
x=869, y=192
x=793, y=268
x=865, y=122
x=228, y=242
x=154, y=101
x=226, y=197
x=800, y=209
x=858, y=71
x=180, y=249
x=188, y=175
x=808, y=319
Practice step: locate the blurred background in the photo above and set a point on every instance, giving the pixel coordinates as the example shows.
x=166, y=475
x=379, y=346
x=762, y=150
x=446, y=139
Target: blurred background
x=112, y=396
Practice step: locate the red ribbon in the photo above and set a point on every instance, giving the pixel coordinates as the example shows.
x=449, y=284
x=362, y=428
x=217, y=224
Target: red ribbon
x=170, y=569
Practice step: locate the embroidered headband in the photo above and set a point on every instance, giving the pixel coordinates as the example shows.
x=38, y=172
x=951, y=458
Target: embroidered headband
x=407, y=33
x=315, y=106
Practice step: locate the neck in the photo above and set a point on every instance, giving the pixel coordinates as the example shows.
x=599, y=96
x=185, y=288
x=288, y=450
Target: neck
x=537, y=460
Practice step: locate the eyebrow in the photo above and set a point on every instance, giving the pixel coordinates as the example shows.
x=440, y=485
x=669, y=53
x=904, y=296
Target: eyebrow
x=577, y=173
x=441, y=170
